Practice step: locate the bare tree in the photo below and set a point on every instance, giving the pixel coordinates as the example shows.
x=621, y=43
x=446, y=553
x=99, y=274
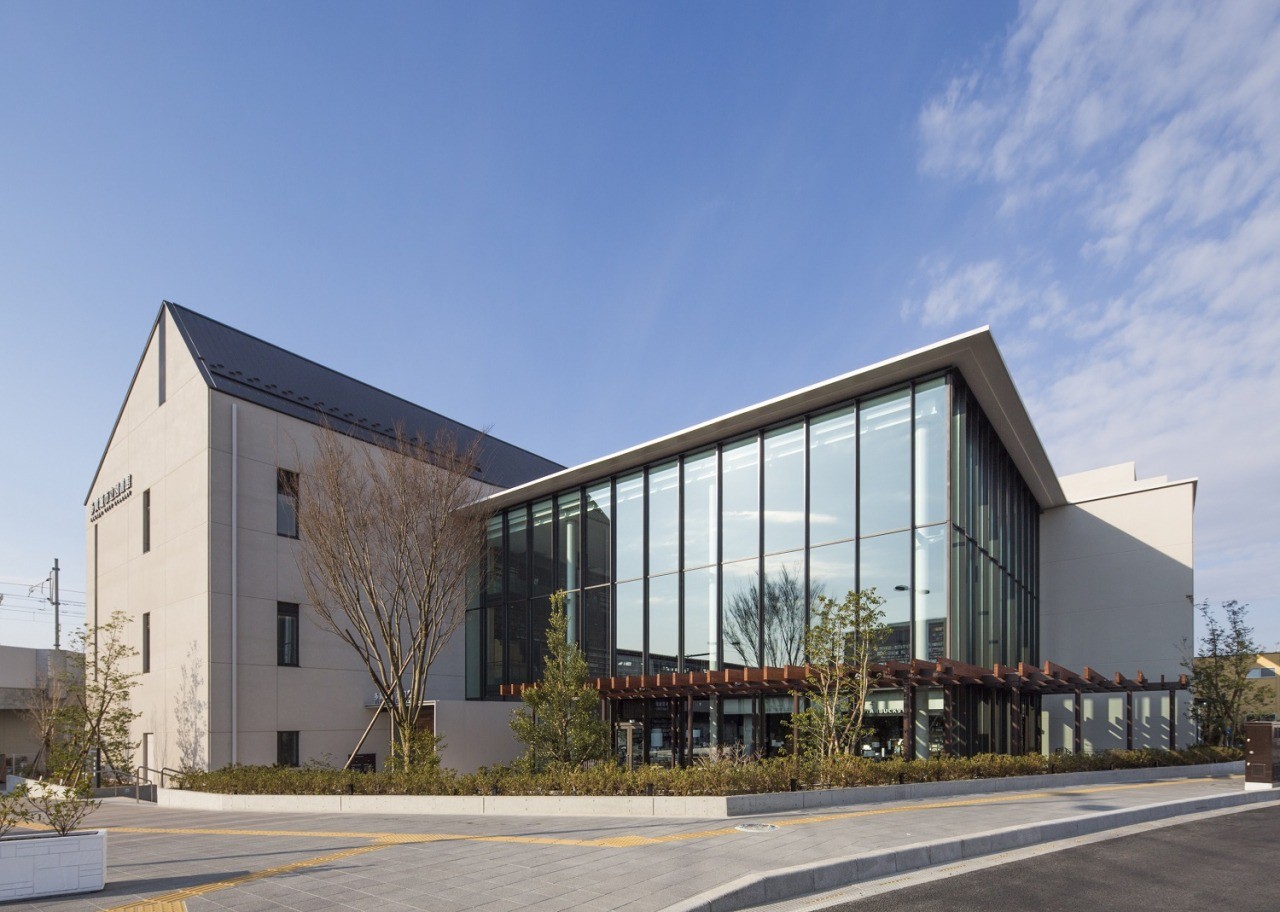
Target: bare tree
x=389, y=538
x=784, y=628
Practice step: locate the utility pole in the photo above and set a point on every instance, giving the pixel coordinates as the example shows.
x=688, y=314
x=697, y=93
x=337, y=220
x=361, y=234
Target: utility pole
x=53, y=599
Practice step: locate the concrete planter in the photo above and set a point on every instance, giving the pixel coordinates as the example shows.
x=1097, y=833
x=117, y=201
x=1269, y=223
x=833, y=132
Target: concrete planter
x=46, y=864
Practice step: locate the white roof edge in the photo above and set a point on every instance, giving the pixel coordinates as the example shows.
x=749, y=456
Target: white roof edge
x=1140, y=488
x=973, y=353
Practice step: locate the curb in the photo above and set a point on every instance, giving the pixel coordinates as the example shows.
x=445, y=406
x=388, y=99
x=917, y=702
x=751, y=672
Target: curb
x=704, y=807
x=821, y=876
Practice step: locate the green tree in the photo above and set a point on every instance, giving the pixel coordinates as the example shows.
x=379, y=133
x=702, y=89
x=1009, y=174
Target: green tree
x=1224, y=696
x=843, y=641
x=560, y=722
x=91, y=724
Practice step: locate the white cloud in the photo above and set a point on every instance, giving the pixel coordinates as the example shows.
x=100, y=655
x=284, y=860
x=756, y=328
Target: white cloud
x=1135, y=148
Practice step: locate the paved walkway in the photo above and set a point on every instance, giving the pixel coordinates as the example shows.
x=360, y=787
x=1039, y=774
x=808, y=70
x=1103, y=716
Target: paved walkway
x=164, y=860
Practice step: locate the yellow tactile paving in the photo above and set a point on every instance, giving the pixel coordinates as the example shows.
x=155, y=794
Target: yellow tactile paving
x=175, y=902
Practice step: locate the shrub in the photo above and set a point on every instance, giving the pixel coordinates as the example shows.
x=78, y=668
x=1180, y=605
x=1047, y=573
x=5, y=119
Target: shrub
x=716, y=775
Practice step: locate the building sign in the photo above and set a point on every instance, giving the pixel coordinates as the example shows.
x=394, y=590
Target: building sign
x=115, y=494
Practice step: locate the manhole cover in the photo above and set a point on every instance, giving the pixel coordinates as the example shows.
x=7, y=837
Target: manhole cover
x=755, y=827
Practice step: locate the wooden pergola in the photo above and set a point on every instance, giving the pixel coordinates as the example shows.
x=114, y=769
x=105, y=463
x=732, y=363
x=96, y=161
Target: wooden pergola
x=950, y=676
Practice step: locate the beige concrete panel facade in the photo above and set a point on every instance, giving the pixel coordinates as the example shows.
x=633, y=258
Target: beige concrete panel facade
x=1117, y=584
x=163, y=448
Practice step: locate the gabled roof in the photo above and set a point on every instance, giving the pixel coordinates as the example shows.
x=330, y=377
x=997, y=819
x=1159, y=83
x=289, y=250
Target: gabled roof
x=246, y=367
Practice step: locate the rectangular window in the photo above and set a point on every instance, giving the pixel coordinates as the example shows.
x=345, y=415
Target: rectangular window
x=286, y=503
x=146, y=520
x=146, y=642
x=287, y=634
x=287, y=748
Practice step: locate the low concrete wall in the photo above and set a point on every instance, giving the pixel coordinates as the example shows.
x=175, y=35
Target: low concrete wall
x=45, y=864
x=709, y=807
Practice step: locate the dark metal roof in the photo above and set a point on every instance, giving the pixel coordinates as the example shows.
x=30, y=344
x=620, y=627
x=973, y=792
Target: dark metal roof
x=240, y=365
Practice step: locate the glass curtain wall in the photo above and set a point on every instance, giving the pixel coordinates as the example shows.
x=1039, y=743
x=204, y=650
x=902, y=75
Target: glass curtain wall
x=715, y=559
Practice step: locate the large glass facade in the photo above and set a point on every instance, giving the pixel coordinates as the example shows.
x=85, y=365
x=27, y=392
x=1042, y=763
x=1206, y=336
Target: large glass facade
x=714, y=559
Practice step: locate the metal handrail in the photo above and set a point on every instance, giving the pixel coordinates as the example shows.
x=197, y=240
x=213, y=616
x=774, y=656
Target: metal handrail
x=139, y=778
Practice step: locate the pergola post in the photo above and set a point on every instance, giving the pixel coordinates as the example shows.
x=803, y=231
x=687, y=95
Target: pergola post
x=948, y=733
x=908, y=721
x=1015, y=719
x=687, y=753
x=1077, y=727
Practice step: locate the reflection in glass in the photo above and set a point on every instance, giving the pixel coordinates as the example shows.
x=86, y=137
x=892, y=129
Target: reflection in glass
x=494, y=675
x=664, y=519
x=629, y=622
x=700, y=510
x=543, y=543
x=596, y=631
x=493, y=564
x=664, y=623
x=539, y=621
x=741, y=518
x=630, y=526
x=783, y=609
x=931, y=451
x=474, y=660
x=931, y=592
x=569, y=528
x=833, y=572
x=833, y=464
x=700, y=619
x=741, y=614
x=518, y=642
x=886, y=567
x=518, y=553
x=885, y=471
x=599, y=523
x=784, y=489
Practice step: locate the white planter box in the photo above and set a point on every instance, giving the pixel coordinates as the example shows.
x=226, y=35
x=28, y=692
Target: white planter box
x=46, y=864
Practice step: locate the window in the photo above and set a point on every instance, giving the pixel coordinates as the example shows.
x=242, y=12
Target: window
x=146, y=520
x=1257, y=673
x=287, y=748
x=146, y=642
x=287, y=634
x=286, y=503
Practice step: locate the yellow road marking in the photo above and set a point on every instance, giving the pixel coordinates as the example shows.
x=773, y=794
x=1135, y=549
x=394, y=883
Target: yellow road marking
x=175, y=901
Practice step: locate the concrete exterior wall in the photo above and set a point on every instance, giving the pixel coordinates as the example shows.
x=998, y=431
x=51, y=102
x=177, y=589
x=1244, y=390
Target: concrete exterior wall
x=476, y=733
x=165, y=450
x=1116, y=594
x=181, y=451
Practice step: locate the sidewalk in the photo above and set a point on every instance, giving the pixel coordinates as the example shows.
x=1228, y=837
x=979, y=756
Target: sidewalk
x=167, y=860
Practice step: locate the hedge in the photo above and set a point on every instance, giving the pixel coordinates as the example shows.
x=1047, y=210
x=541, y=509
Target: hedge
x=727, y=777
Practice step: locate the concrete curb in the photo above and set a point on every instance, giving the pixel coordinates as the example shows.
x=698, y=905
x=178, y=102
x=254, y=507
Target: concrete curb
x=695, y=807
x=817, y=877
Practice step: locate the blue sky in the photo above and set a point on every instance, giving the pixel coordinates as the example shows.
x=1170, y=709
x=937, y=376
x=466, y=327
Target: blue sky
x=587, y=225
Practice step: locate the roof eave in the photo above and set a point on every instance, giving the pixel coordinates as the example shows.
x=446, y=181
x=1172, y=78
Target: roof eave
x=973, y=353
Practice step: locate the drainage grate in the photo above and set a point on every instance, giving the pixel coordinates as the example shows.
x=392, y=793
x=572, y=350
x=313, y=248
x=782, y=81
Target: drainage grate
x=756, y=827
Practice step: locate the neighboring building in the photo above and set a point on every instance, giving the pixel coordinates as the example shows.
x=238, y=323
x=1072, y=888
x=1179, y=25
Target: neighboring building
x=701, y=551
x=191, y=532
x=24, y=673
x=1265, y=676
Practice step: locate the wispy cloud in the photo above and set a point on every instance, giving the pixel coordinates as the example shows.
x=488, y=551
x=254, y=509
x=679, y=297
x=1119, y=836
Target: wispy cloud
x=1135, y=149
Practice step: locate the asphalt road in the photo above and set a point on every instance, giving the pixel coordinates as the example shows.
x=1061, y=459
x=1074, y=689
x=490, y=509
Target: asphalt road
x=1227, y=863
